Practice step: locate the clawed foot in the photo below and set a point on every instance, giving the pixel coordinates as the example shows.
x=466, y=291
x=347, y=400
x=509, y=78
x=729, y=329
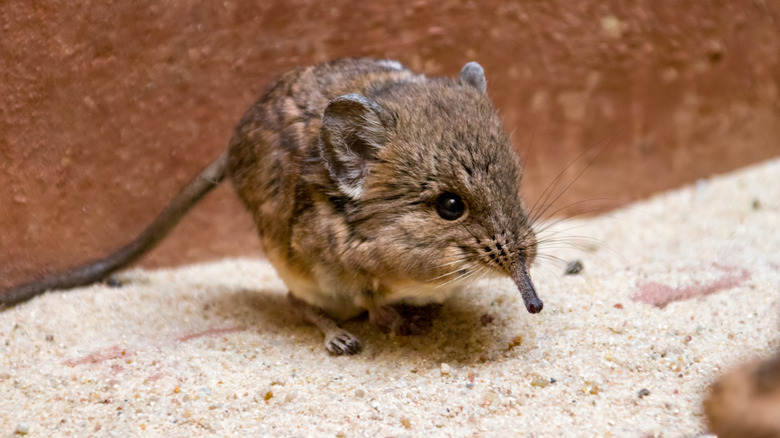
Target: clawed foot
x=337, y=340
x=342, y=342
x=401, y=319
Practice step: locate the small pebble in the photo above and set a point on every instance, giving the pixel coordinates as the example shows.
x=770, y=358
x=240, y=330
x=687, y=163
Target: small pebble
x=113, y=282
x=445, y=369
x=359, y=393
x=573, y=268
x=540, y=382
x=487, y=319
x=644, y=392
x=22, y=429
x=756, y=204
x=50, y=338
x=406, y=423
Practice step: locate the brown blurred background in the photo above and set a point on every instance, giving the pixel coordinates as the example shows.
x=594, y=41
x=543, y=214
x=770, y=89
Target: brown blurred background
x=107, y=109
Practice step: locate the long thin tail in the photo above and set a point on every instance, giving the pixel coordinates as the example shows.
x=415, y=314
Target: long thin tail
x=97, y=270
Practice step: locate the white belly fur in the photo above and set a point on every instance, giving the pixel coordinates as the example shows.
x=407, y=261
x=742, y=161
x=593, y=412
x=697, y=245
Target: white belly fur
x=344, y=301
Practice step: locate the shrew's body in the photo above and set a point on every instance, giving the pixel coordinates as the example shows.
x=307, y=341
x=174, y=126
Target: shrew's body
x=373, y=189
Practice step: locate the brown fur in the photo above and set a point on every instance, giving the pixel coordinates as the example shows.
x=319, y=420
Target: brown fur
x=342, y=165
x=445, y=136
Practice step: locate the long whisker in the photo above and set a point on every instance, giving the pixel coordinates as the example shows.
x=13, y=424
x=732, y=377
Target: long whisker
x=461, y=277
x=574, y=242
x=464, y=260
x=458, y=278
x=539, y=214
x=550, y=188
x=456, y=271
x=553, y=235
x=524, y=157
x=559, y=237
x=540, y=229
x=570, y=205
x=484, y=274
x=569, y=217
x=550, y=257
x=549, y=271
x=460, y=260
x=545, y=195
x=474, y=276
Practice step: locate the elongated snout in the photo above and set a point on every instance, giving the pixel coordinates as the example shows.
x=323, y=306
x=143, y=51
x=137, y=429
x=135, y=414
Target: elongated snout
x=523, y=281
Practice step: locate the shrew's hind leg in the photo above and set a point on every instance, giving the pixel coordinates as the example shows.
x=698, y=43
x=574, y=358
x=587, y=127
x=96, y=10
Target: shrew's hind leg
x=417, y=319
x=337, y=340
x=404, y=319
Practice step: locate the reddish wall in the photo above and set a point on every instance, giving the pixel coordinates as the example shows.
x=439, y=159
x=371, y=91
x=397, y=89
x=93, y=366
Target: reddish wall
x=109, y=108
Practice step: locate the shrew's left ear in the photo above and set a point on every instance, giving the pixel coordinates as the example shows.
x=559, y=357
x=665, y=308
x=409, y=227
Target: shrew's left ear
x=354, y=130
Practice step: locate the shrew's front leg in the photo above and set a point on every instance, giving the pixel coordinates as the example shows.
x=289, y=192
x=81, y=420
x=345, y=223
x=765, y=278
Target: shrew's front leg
x=337, y=340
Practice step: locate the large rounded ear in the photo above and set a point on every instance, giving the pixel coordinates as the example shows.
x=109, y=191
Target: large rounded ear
x=354, y=129
x=473, y=75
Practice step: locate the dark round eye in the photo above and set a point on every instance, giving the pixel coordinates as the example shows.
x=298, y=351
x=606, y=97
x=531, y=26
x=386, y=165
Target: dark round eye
x=450, y=206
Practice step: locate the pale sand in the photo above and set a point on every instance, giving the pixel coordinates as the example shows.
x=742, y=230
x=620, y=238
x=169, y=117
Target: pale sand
x=214, y=349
